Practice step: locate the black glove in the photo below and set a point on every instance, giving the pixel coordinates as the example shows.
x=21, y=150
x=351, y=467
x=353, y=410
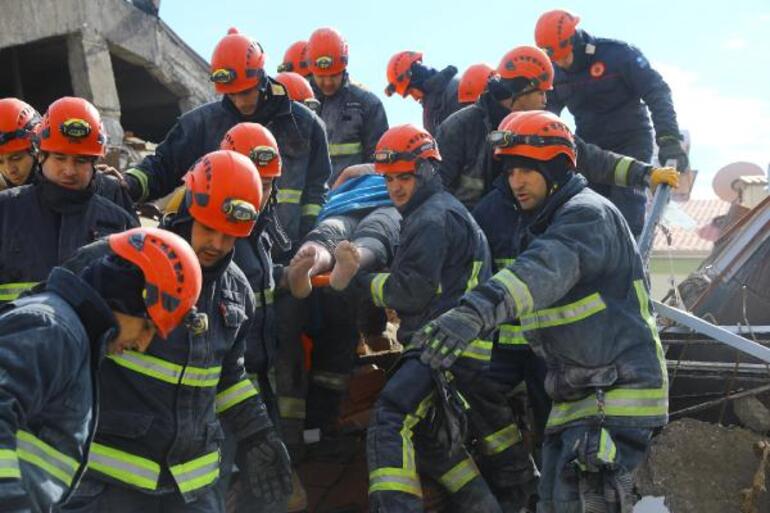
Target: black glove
x=266, y=466
x=671, y=148
x=445, y=338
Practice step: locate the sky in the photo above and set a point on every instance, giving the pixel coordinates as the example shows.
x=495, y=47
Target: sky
x=716, y=59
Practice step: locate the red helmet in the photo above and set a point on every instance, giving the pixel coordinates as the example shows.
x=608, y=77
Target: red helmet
x=554, y=31
x=530, y=63
x=327, y=52
x=237, y=63
x=399, y=72
x=537, y=134
x=473, y=82
x=224, y=192
x=401, y=147
x=171, y=271
x=298, y=88
x=17, y=125
x=294, y=59
x=72, y=126
x=257, y=143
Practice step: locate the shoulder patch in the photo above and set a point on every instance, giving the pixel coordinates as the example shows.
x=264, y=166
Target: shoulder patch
x=597, y=69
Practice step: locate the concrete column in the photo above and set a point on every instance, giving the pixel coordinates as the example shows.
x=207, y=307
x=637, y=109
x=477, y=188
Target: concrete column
x=93, y=79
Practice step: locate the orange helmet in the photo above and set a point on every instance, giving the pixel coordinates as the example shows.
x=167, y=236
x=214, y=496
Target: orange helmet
x=224, y=192
x=298, y=88
x=401, y=147
x=237, y=63
x=399, y=72
x=536, y=134
x=17, y=125
x=294, y=59
x=473, y=82
x=527, y=62
x=327, y=52
x=171, y=271
x=257, y=143
x=72, y=126
x=554, y=31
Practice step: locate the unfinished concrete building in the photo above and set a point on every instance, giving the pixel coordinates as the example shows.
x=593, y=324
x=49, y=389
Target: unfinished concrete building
x=130, y=64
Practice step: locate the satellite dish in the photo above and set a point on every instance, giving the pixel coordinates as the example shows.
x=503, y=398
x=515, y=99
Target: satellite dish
x=725, y=177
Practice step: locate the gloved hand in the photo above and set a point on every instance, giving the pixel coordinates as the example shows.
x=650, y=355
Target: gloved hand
x=671, y=148
x=443, y=339
x=266, y=466
x=131, y=183
x=666, y=175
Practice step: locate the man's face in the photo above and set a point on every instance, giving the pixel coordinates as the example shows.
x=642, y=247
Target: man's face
x=245, y=101
x=68, y=171
x=329, y=85
x=566, y=61
x=16, y=167
x=135, y=334
x=210, y=245
x=401, y=187
x=267, y=189
x=528, y=186
x=533, y=100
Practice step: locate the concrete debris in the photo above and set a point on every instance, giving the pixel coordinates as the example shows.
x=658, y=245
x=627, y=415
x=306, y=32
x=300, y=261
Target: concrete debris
x=700, y=467
x=753, y=414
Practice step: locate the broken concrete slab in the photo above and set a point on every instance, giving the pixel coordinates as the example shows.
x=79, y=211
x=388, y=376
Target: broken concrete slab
x=752, y=414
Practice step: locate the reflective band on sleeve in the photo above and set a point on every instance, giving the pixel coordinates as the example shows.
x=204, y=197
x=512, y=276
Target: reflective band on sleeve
x=511, y=335
x=338, y=150
x=501, y=440
x=196, y=473
x=269, y=296
x=478, y=350
x=9, y=464
x=166, y=371
x=376, y=288
x=291, y=407
x=330, y=380
x=517, y=289
x=471, y=184
x=237, y=393
x=289, y=196
x=143, y=180
x=473, y=279
x=124, y=467
x=311, y=209
x=462, y=474
x=621, y=171
x=395, y=480
x=11, y=291
x=566, y=314
x=502, y=263
x=34, y=451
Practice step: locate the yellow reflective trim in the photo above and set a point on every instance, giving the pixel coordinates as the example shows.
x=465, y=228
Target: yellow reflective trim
x=269, y=298
x=511, y=335
x=196, y=473
x=338, y=150
x=166, y=371
x=394, y=480
x=11, y=291
x=478, y=350
x=473, y=279
x=235, y=394
x=607, y=449
x=502, y=263
x=9, y=464
x=289, y=196
x=311, y=209
x=621, y=171
x=291, y=407
x=143, y=180
x=376, y=289
x=124, y=466
x=470, y=183
x=460, y=475
x=411, y=420
x=501, y=440
x=33, y=450
x=518, y=290
x=565, y=314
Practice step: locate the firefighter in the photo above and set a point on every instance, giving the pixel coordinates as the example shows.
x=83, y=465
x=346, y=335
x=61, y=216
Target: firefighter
x=611, y=90
x=61, y=207
x=418, y=418
x=17, y=152
x=167, y=459
x=473, y=82
x=354, y=117
x=294, y=60
x=53, y=343
x=524, y=74
x=578, y=290
x=298, y=89
x=435, y=90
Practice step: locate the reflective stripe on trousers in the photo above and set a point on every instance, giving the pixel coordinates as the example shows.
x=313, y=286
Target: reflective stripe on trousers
x=462, y=474
x=501, y=440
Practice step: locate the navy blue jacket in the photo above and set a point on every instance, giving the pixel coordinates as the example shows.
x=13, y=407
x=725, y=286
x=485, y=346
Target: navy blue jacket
x=301, y=141
x=34, y=238
x=609, y=90
x=439, y=98
x=51, y=345
x=578, y=288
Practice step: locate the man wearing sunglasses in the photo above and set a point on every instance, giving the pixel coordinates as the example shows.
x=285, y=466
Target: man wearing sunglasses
x=611, y=90
x=354, y=117
x=159, y=438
